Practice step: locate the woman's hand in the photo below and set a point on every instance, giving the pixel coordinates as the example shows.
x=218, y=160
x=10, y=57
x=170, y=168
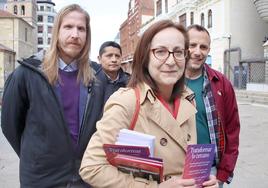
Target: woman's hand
x=211, y=183
x=176, y=182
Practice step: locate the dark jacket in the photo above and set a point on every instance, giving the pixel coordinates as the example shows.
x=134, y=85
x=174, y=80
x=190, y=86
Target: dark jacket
x=227, y=109
x=33, y=122
x=110, y=86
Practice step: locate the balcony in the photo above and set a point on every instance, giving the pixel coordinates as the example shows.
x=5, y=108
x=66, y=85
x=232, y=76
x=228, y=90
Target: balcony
x=262, y=9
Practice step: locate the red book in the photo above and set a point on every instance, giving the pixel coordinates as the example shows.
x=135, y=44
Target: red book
x=148, y=168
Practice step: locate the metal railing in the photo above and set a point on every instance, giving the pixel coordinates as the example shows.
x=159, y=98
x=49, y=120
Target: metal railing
x=249, y=71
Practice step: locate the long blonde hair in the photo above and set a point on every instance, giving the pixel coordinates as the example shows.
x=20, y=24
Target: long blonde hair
x=50, y=63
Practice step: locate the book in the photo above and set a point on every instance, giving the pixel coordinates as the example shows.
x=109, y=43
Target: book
x=134, y=138
x=139, y=151
x=148, y=168
x=133, y=153
x=198, y=162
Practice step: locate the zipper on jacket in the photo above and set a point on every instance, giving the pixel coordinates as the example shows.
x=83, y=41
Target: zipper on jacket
x=85, y=113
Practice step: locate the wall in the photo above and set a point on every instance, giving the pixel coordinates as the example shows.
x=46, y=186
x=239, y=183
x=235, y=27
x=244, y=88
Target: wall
x=247, y=29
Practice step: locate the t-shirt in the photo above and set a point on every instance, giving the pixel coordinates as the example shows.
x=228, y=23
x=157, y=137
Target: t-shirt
x=196, y=86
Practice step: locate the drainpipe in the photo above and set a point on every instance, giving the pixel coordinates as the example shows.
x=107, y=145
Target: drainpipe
x=227, y=62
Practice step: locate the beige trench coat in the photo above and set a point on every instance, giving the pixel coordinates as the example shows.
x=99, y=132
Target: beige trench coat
x=153, y=119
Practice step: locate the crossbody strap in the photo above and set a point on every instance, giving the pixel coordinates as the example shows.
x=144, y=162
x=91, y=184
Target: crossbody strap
x=137, y=109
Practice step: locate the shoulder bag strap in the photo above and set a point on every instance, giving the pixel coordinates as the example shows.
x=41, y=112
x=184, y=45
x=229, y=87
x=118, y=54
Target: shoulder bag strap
x=137, y=109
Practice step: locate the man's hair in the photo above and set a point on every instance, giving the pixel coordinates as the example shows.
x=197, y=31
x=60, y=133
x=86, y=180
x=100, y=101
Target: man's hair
x=107, y=44
x=141, y=57
x=198, y=28
x=50, y=63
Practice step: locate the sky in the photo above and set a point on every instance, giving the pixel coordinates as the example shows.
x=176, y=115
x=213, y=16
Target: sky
x=106, y=17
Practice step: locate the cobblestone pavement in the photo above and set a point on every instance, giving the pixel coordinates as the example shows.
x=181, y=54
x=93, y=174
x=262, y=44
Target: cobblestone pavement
x=252, y=165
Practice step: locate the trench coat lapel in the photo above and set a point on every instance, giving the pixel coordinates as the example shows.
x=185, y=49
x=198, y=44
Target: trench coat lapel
x=163, y=118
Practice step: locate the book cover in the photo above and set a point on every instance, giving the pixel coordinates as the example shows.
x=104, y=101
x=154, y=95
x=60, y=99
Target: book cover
x=198, y=162
x=139, y=151
x=148, y=168
x=133, y=153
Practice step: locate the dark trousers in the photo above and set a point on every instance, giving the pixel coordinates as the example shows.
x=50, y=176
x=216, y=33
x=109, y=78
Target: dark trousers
x=78, y=184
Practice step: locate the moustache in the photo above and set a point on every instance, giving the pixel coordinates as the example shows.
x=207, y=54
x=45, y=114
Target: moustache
x=74, y=43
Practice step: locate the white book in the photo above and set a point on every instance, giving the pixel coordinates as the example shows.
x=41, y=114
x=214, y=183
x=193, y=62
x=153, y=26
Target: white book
x=134, y=138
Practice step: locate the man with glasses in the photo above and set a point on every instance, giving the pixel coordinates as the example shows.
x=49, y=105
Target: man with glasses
x=217, y=120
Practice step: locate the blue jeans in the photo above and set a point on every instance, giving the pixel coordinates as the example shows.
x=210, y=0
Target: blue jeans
x=214, y=172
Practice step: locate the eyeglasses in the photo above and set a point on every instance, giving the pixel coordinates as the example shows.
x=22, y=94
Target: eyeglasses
x=163, y=54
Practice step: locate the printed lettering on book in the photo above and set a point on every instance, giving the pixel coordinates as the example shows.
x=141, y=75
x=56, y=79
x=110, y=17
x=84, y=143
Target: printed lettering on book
x=198, y=162
x=139, y=151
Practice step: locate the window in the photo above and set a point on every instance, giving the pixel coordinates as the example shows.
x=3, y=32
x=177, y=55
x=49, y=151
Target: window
x=40, y=18
x=41, y=8
x=22, y=11
x=49, y=9
x=209, y=18
x=40, y=29
x=192, y=18
x=48, y=40
x=158, y=7
x=203, y=19
x=182, y=19
x=39, y=49
x=49, y=29
x=26, y=34
x=40, y=40
x=50, y=19
x=15, y=9
x=166, y=6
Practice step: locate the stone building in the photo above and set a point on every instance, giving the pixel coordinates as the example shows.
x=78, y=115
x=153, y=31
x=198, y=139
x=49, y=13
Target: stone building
x=17, y=34
x=7, y=63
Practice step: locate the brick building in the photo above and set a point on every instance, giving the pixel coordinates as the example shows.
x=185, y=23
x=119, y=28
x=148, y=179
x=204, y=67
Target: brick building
x=139, y=13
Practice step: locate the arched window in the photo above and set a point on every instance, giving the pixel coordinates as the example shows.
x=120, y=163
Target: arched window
x=22, y=11
x=209, y=18
x=192, y=18
x=15, y=9
x=203, y=19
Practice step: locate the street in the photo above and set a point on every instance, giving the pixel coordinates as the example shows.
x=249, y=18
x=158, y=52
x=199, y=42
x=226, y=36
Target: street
x=252, y=165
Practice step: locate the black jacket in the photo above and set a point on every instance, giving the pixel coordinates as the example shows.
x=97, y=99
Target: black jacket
x=110, y=86
x=33, y=122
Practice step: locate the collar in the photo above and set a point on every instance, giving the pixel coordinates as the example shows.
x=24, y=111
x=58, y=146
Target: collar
x=67, y=68
x=146, y=92
x=109, y=78
x=209, y=74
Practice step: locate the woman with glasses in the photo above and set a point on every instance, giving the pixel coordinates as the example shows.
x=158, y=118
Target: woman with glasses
x=158, y=74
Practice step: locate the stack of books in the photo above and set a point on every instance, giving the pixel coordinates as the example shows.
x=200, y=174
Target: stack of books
x=133, y=154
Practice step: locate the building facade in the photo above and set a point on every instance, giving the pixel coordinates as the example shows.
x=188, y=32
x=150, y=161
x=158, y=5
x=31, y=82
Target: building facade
x=45, y=19
x=236, y=30
x=25, y=9
x=17, y=34
x=7, y=63
x=139, y=13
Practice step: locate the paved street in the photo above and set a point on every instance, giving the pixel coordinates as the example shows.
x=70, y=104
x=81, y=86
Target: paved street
x=252, y=167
